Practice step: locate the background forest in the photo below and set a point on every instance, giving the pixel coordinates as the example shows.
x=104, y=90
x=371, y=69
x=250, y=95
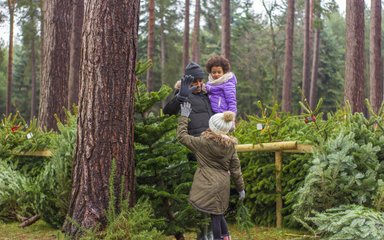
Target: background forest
x=117, y=146
x=257, y=50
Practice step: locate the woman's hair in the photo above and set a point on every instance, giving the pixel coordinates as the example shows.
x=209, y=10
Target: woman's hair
x=218, y=61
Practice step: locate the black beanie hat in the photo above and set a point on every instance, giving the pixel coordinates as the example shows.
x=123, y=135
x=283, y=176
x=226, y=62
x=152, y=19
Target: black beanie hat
x=194, y=70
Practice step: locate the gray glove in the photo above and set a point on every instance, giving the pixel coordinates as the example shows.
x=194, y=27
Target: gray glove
x=241, y=195
x=185, y=88
x=185, y=109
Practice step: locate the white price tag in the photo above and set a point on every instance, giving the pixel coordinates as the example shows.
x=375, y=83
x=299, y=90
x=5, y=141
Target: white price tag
x=29, y=135
x=259, y=126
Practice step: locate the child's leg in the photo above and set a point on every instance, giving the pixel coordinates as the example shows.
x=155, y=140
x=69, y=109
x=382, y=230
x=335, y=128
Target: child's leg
x=216, y=226
x=224, y=227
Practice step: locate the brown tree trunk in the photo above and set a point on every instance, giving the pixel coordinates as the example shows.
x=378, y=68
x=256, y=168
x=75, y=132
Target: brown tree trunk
x=162, y=50
x=75, y=52
x=287, y=82
x=226, y=29
x=151, y=43
x=55, y=67
x=354, y=57
x=186, y=36
x=269, y=10
x=106, y=111
x=11, y=7
x=315, y=61
x=376, y=78
x=306, y=52
x=196, y=34
x=33, y=78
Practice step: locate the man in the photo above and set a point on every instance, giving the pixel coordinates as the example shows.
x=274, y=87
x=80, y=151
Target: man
x=189, y=89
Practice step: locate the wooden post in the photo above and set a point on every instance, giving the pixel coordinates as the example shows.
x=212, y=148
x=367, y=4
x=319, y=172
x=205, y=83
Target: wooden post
x=279, y=200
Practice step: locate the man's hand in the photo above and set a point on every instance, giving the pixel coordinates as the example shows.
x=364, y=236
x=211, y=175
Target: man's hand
x=185, y=109
x=185, y=88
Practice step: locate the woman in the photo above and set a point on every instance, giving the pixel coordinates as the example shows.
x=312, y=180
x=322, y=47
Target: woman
x=217, y=163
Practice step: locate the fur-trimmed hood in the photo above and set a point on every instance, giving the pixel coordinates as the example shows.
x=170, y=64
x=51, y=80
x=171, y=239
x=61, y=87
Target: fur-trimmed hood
x=224, y=140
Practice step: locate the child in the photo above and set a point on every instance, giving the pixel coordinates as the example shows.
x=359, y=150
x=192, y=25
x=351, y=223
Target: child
x=217, y=164
x=221, y=85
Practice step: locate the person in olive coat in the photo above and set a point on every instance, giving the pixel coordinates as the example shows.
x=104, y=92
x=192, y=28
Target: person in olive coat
x=217, y=162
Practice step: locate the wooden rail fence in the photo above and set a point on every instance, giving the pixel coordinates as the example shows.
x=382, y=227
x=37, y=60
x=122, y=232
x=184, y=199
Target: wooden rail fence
x=278, y=148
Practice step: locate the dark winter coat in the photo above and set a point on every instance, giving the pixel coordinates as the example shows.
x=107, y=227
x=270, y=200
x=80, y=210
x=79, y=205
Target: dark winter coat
x=201, y=112
x=217, y=162
x=222, y=93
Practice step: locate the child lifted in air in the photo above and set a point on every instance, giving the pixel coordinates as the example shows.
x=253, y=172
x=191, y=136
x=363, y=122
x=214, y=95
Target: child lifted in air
x=221, y=85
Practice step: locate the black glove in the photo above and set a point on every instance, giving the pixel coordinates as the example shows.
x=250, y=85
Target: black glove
x=185, y=88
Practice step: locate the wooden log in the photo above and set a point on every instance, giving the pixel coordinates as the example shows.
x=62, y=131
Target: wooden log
x=44, y=153
x=30, y=221
x=301, y=148
x=279, y=199
x=273, y=146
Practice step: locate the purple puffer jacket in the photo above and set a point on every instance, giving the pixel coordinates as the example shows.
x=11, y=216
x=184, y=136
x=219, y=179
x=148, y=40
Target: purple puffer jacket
x=222, y=93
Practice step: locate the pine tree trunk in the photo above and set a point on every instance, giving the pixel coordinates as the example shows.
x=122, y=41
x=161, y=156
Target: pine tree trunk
x=226, y=29
x=106, y=112
x=354, y=57
x=55, y=66
x=11, y=7
x=75, y=52
x=376, y=78
x=151, y=43
x=274, y=50
x=287, y=82
x=186, y=36
x=33, y=78
x=196, y=34
x=306, y=53
x=162, y=51
x=315, y=61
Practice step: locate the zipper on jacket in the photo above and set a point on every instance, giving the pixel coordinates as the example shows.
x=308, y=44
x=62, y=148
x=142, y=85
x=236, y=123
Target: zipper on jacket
x=219, y=102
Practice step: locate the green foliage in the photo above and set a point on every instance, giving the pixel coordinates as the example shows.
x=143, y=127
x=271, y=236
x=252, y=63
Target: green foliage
x=55, y=179
x=17, y=194
x=259, y=169
x=345, y=170
x=17, y=138
x=123, y=222
x=243, y=218
x=349, y=222
x=136, y=223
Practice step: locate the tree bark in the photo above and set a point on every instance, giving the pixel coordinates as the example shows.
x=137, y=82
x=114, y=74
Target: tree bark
x=75, y=52
x=33, y=78
x=287, y=82
x=306, y=52
x=186, y=36
x=106, y=112
x=375, y=76
x=162, y=50
x=55, y=66
x=196, y=34
x=151, y=43
x=315, y=61
x=354, y=57
x=11, y=8
x=226, y=29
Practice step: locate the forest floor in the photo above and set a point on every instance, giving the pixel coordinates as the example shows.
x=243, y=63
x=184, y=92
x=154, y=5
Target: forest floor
x=42, y=231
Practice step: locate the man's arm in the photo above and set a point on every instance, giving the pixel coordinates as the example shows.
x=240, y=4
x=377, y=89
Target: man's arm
x=172, y=107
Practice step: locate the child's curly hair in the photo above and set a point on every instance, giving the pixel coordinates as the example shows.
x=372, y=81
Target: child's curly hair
x=218, y=61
